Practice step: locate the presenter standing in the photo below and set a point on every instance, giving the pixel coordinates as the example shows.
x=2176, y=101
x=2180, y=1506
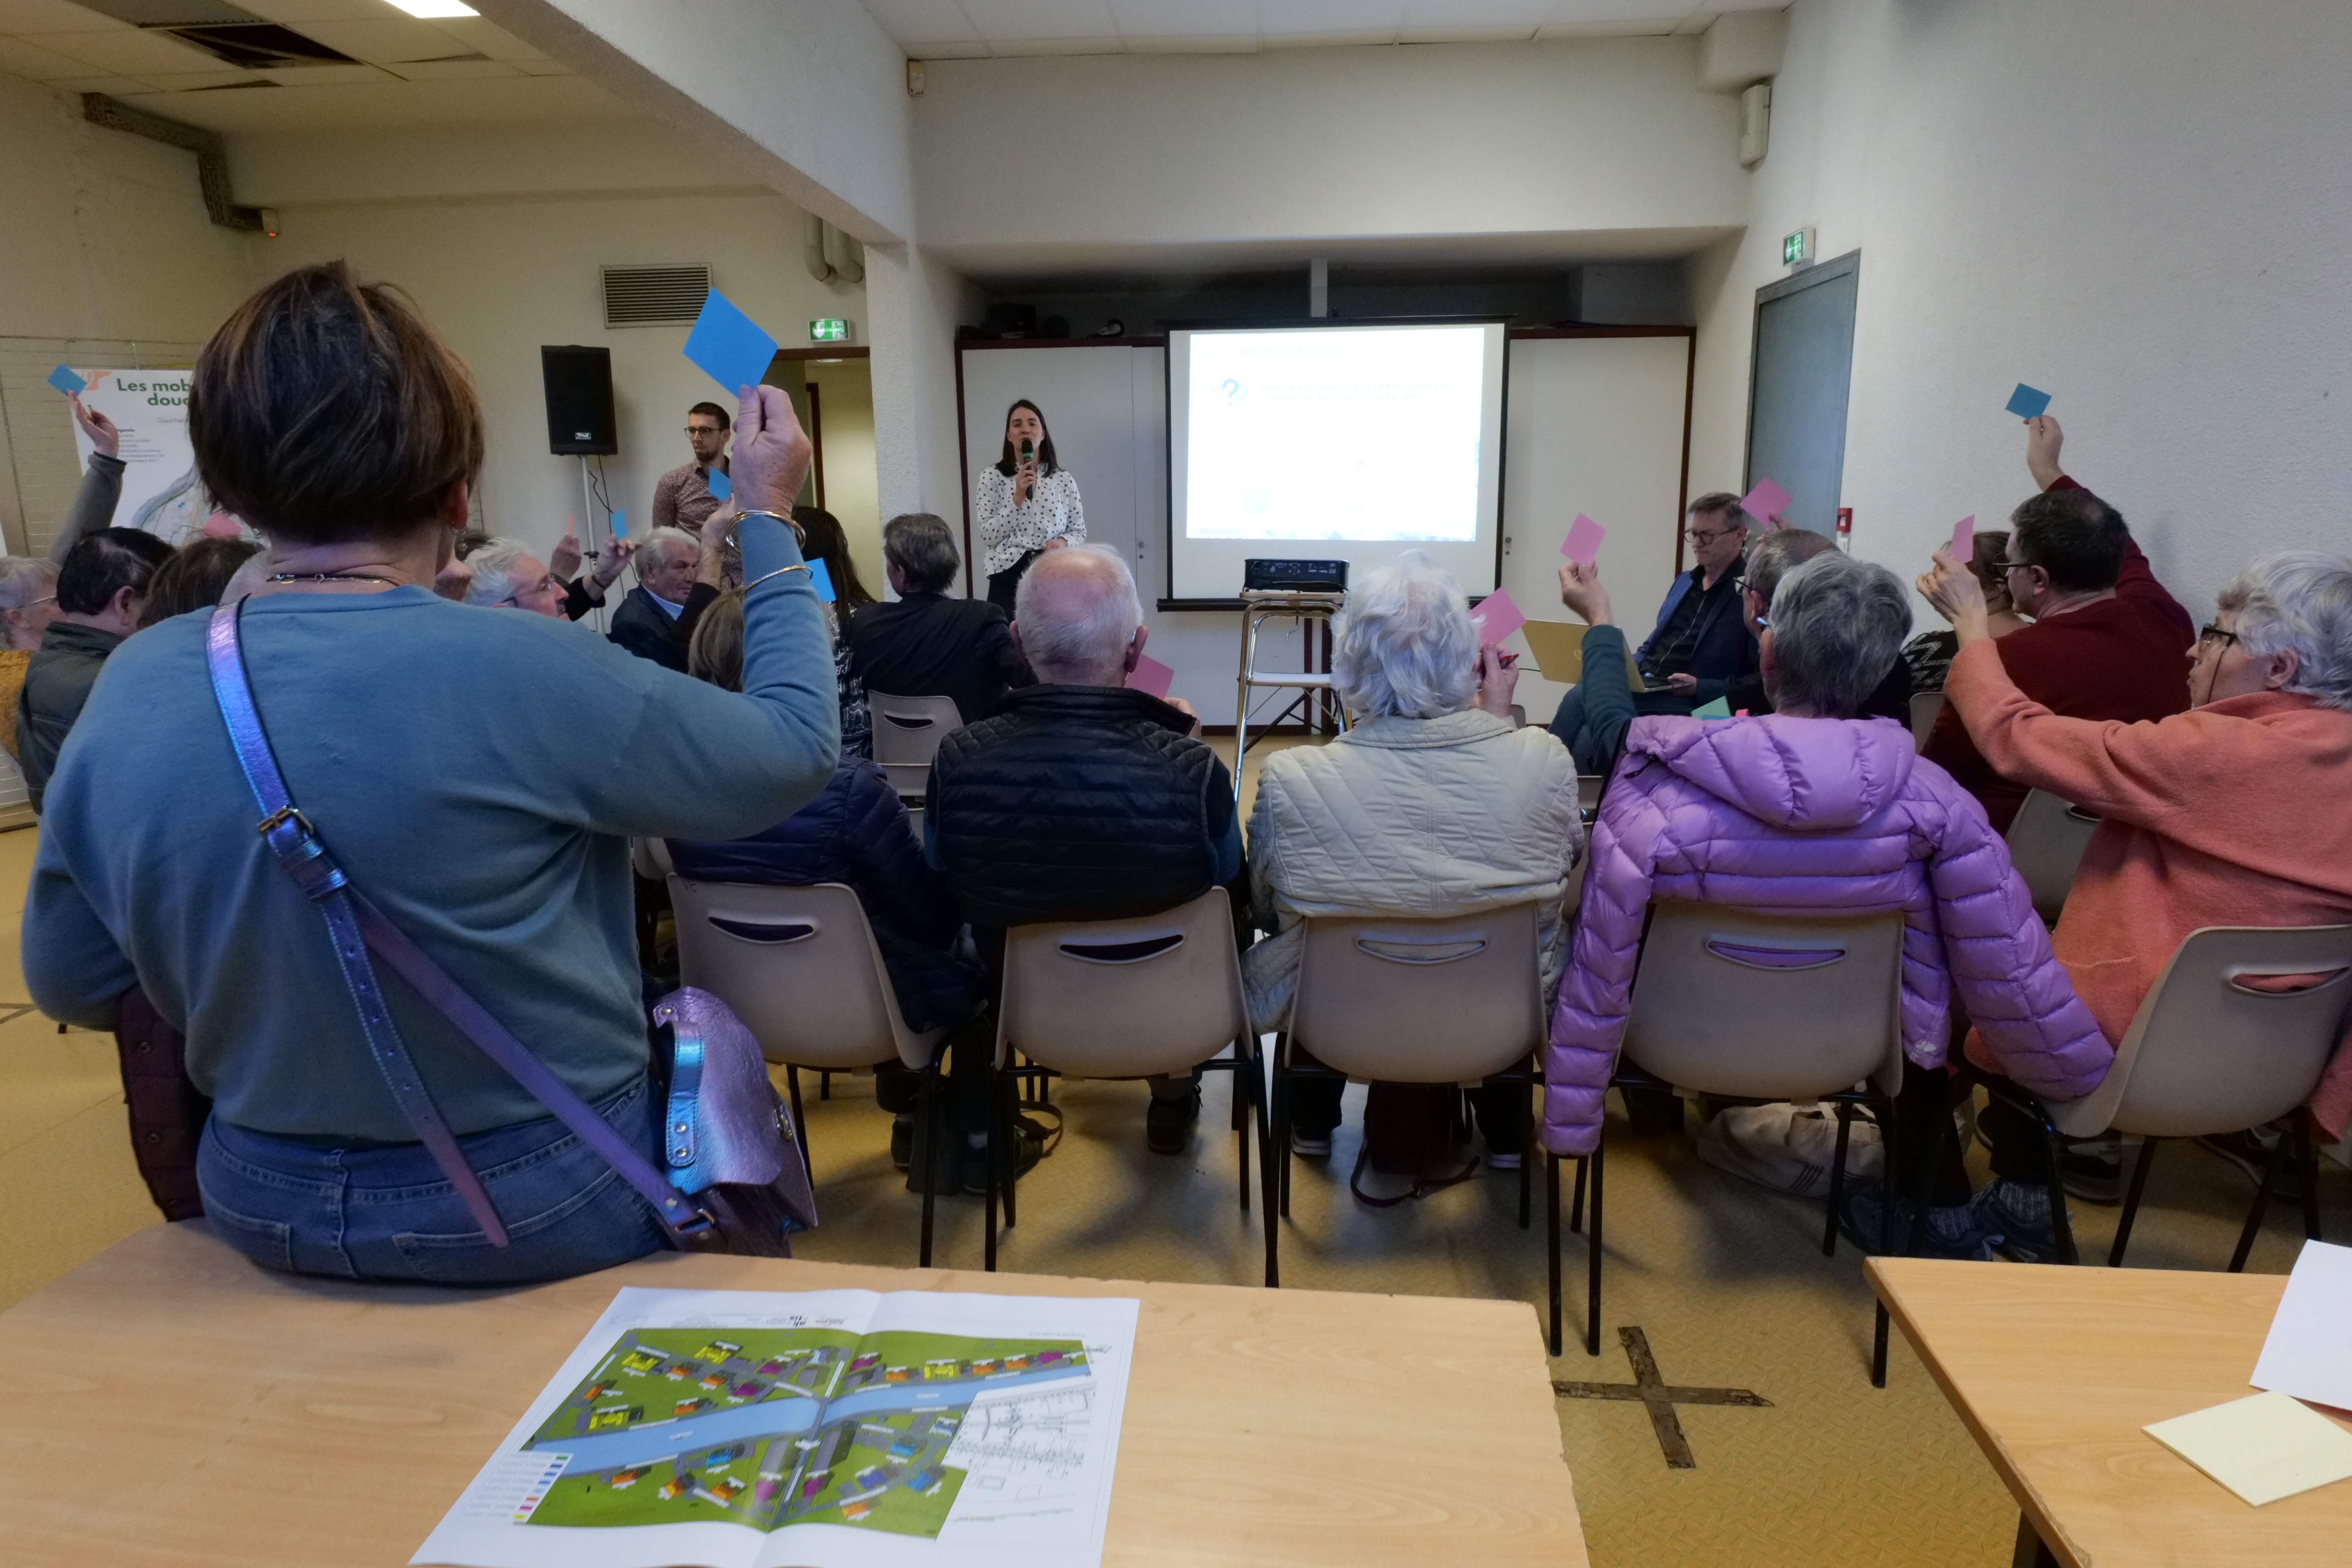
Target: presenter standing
x=1028, y=504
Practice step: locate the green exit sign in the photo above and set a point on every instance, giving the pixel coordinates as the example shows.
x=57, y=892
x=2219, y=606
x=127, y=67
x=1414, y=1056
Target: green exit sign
x=829, y=329
x=1797, y=249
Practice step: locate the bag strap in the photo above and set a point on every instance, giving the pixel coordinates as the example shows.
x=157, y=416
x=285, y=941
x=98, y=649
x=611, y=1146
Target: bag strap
x=356, y=926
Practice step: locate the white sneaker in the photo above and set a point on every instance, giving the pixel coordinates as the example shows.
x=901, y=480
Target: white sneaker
x=1311, y=1145
x=1786, y=1149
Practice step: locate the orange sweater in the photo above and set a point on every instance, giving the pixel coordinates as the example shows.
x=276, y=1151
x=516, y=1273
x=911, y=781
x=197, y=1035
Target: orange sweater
x=2239, y=813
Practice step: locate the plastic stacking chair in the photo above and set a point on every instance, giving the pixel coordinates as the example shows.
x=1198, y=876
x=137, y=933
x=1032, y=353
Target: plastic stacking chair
x=650, y=858
x=2208, y=1052
x=1451, y=1001
x=1925, y=707
x=1129, y=998
x=2046, y=840
x=799, y=968
x=1758, y=1007
x=907, y=735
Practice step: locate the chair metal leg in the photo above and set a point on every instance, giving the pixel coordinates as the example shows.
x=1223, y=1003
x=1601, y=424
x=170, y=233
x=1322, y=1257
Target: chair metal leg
x=1267, y=1158
x=2029, y=1552
x=824, y=1085
x=2131, y=1201
x=993, y=1144
x=1592, y=1264
x=2261, y=1204
x=1889, y=1161
x=1009, y=1098
x=799, y=1123
x=1241, y=1118
x=2306, y=1158
x=926, y=1153
x=1837, y=1178
x=1526, y=1156
x=1551, y=1229
x=1576, y=1204
x=1281, y=1126
x=1928, y=1184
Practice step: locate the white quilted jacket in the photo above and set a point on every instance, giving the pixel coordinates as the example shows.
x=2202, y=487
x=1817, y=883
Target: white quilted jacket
x=1411, y=818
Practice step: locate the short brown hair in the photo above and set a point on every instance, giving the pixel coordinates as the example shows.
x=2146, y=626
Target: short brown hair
x=1724, y=501
x=716, y=654
x=326, y=411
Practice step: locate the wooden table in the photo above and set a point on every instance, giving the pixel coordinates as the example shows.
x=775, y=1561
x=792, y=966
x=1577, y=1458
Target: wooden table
x=168, y=1402
x=2056, y=1370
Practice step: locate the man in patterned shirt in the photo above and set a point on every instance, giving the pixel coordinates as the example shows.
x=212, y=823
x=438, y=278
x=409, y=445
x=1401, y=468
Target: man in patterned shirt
x=682, y=496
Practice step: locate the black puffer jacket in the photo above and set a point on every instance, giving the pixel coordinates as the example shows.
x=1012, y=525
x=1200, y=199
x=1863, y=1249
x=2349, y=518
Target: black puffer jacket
x=1077, y=803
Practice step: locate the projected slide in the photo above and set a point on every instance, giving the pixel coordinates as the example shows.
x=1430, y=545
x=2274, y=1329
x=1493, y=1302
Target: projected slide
x=1367, y=434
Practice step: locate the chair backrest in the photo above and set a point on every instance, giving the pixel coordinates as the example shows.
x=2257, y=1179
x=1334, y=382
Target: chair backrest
x=1728, y=1000
x=798, y=966
x=1160, y=993
x=907, y=735
x=650, y=858
x=2213, y=1048
x=2046, y=840
x=1925, y=708
x=1420, y=1001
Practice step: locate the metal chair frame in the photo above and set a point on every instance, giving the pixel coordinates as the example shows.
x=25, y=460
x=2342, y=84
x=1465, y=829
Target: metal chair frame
x=1258, y=607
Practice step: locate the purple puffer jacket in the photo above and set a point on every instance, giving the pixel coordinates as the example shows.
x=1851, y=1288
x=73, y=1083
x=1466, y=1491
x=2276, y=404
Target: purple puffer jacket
x=1799, y=817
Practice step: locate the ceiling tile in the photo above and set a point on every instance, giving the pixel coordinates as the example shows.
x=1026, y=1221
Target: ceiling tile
x=967, y=49
x=479, y=34
x=324, y=76
x=18, y=56
x=300, y=11
x=129, y=51
x=1353, y=20
x=918, y=22
x=540, y=68
x=1326, y=38
x=1193, y=44
x=1429, y=33
x=191, y=81
x=1033, y=21
x=1185, y=18
x=1421, y=15
x=1104, y=44
x=1636, y=29
x=386, y=40
x=452, y=70
x=54, y=16
x=112, y=86
x=1603, y=15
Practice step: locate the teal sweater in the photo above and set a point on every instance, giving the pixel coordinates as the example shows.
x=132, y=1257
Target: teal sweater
x=477, y=774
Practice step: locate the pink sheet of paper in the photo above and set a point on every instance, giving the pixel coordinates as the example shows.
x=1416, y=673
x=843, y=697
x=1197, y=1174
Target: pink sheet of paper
x=1582, y=545
x=1964, y=538
x=1764, y=501
x=1497, y=617
x=1151, y=675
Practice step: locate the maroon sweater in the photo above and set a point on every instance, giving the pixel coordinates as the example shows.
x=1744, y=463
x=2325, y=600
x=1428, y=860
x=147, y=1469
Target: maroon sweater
x=2122, y=658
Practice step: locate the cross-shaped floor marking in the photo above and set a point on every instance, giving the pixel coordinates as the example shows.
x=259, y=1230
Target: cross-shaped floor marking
x=1659, y=1396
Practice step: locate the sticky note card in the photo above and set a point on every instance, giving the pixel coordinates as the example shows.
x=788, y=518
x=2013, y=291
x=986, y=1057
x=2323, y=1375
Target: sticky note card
x=821, y=578
x=1582, y=545
x=727, y=345
x=1765, y=502
x=1718, y=709
x=719, y=484
x=66, y=381
x=620, y=525
x=2027, y=403
x=1496, y=617
x=2262, y=1448
x=1151, y=675
x=1964, y=538
x=2309, y=1352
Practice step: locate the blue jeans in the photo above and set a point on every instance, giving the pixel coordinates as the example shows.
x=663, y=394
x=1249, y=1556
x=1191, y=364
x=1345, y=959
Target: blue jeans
x=388, y=1213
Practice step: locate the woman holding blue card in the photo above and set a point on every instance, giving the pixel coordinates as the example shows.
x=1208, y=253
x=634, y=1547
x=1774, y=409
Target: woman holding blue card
x=1027, y=504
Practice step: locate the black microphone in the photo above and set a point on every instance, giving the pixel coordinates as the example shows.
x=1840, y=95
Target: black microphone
x=1028, y=450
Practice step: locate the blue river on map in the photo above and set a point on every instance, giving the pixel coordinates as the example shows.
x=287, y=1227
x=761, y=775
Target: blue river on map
x=777, y=1418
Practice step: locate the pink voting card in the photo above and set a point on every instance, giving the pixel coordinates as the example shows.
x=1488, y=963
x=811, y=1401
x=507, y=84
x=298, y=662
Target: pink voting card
x=1497, y=619
x=1764, y=501
x=1582, y=545
x=1964, y=538
x=1150, y=675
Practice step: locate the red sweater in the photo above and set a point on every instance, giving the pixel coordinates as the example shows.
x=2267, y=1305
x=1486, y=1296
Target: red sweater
x=2124, y=658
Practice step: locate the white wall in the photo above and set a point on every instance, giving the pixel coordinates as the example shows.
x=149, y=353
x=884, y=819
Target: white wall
x=2135, y=204
x=915, y=303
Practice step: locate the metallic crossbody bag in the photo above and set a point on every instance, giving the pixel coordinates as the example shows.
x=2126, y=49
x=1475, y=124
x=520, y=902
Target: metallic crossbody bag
x=730, y=1176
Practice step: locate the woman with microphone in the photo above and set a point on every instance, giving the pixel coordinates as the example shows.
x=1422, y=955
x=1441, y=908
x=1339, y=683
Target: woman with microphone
x=1028, y=504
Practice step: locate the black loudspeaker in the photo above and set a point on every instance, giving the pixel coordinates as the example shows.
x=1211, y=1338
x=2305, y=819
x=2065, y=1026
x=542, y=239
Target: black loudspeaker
x=579, y=401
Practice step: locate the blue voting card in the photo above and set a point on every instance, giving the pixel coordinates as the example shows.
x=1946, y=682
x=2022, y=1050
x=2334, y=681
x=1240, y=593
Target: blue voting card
x=620, y=525
x=728, y=345
x=2028, y=404
x=66, y=381
x=720, y=485
x=821, y=578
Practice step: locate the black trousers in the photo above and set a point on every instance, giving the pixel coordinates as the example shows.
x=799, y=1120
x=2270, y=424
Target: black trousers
x=1003, y=586
x=2017, y=1153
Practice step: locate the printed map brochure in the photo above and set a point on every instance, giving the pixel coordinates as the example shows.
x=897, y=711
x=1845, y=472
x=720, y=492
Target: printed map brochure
x=812, y=1429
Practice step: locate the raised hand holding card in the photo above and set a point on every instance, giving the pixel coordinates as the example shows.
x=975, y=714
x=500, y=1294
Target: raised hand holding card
x=1582, y=545
x=2027, y=403
x=720, y=485
x=66, y=381
x=1765, y=502
x=1964, y=538
x=1496, y=617
x=727, y=345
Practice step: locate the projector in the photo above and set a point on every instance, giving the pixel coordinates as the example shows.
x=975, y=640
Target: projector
x=1294, y=576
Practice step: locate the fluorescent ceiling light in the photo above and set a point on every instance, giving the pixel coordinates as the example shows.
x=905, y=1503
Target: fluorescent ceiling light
x=430, y=9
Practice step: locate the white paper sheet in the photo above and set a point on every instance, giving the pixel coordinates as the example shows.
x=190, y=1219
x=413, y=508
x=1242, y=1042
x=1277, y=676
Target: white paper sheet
x=2262, y=1448
x=817, y=1429
x=2309, y=1350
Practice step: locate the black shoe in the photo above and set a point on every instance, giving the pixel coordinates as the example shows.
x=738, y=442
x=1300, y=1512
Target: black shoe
x=902, y=1141
x=1028, y=1148
x=1168, y=1125
x=2250, y=1152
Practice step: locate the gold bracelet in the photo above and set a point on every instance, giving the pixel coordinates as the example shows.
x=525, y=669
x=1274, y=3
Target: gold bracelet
x=777, y=572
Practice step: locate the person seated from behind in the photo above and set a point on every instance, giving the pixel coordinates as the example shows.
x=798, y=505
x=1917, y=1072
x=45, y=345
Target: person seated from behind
x=1768, y=560
x=1430, y=805
x=195, y=577
x=100, y=588
x=823, y=538
x=925, y=643
x=646, y=624
x=507, y=576
x=1813, y=808
x=1929, y=653
x=2106, y=640
x=1083, y=799
x=2236, y=813
x=858, y=833
x=28, y=595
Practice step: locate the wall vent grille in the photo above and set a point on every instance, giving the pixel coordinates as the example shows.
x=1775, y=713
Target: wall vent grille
x=654, y=296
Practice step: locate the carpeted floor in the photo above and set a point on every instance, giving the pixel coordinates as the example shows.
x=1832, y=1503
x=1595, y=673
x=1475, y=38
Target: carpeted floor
x=1725, y=1282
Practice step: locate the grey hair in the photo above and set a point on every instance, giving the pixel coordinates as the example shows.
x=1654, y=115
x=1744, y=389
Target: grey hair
x=23, y=579
x=923, y=549
x=1838, y=626
x=667, y=535
x=1091, y=640
x=1770, y=557
x=1403, y=647
x=496, y=565
x=2299, y=601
